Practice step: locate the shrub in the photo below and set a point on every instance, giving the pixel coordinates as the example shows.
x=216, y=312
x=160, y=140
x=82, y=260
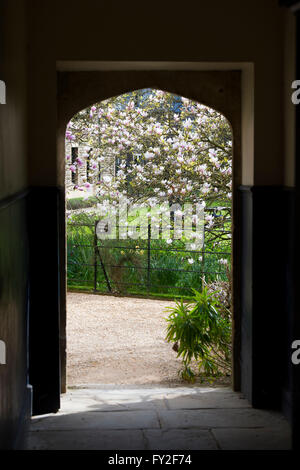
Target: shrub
x=201, y=331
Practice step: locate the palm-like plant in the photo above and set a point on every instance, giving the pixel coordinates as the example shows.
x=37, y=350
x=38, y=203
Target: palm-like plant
x=201, y=331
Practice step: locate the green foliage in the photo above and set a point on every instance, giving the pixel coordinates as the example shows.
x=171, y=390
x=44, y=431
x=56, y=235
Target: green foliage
x=80, y=253
x=81, y=203
x=126, y=262
x=201, y=331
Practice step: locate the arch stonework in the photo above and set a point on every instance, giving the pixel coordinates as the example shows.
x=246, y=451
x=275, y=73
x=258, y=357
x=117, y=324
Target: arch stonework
x=220, y=90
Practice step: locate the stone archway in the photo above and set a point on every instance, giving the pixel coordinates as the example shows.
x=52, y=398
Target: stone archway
x=220, y=90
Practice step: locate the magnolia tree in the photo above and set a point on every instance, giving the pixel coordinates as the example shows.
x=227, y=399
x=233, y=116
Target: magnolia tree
x=165, y=148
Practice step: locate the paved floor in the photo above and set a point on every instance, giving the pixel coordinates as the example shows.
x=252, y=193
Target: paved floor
x=182, y=418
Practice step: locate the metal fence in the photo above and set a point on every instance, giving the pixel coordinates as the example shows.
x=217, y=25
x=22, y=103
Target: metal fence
x=150, y=266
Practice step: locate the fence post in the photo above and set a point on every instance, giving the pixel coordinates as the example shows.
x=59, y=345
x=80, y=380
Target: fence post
x=203, y=276
x=149, y=258
x=95, y=257
x=97, y=252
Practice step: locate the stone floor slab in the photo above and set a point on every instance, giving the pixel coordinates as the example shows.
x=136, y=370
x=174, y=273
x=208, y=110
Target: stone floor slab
x=96, y=420
x=215, y=418
x=254, y=439
x=93, y=404
x=86, y=440
x=206, y=400
x=180, y=439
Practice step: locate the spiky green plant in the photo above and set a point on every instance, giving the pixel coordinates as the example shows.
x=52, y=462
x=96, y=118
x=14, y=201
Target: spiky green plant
x=201, y=331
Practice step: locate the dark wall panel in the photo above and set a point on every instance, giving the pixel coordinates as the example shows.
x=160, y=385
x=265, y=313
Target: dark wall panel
x=288, y=242
x=244, y=231
x=14, y=392
x=269, y=255
x=44, y=366
x=266, y=214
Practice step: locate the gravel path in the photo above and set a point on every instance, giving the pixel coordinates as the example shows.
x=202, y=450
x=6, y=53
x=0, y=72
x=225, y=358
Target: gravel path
x=115, y=340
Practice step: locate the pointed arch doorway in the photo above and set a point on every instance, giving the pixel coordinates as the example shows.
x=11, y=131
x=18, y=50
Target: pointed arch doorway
x=218, y=89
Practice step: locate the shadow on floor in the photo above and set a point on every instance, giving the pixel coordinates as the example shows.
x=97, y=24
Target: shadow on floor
x=156, y=418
